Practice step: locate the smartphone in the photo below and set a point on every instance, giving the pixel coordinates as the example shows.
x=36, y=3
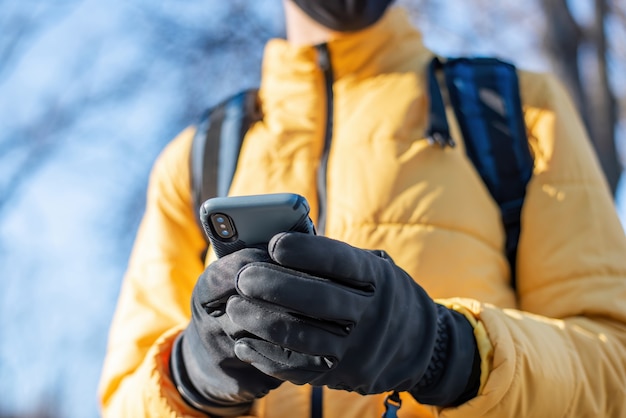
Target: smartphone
x=233, y=223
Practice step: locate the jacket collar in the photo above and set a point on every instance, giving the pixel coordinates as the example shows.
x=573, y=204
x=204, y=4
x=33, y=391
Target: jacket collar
x=360, y=54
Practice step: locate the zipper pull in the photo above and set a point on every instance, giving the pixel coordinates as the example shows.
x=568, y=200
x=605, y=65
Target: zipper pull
x=392, y=405
x=323, y=57
x=438, y=131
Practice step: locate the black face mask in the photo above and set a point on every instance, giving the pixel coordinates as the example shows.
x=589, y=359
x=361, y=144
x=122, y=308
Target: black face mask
x=344, y=15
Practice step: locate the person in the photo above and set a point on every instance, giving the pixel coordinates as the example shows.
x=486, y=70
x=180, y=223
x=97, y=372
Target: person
x=406, y=289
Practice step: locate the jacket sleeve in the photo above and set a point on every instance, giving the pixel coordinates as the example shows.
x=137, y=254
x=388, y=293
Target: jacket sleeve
x=563, y=352
x=154, y=301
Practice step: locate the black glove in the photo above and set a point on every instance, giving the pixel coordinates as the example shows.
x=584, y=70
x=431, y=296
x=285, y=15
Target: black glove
x=326, y=313
x=203, y=364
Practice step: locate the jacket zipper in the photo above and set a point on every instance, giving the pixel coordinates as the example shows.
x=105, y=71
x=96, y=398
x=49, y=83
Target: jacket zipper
x=323, y=60
x=317, y=400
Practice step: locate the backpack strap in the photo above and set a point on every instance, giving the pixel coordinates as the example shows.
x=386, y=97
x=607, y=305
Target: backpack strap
x=484, y=93
x=216, y=145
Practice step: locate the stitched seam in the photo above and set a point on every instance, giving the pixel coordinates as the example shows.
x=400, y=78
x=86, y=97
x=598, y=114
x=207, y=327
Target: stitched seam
x=344, y=286
x=431, y=225
x=546, y=284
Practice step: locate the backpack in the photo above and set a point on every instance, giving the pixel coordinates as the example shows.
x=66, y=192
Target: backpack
x=484, y=93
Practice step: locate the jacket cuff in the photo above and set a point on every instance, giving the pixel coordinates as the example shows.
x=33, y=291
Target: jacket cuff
x=469, y=309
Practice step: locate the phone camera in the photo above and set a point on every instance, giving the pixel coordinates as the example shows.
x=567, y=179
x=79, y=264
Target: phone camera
x=223, y=226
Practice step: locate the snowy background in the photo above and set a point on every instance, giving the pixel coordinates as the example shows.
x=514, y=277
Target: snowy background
x=90, y=92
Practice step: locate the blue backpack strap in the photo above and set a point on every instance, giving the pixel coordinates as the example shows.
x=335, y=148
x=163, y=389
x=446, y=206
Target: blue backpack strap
x=216, y=145
x=484, y=93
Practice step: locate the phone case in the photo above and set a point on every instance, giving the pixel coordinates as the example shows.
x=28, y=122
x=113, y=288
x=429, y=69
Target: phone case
x=233, y=223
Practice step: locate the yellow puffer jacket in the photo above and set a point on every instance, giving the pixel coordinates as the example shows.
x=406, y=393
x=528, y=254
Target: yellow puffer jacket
x=557, y=349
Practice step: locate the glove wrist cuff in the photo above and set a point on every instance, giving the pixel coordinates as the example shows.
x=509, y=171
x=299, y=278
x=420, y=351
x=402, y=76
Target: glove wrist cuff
x=191, y=395
x=433, y=372
x=453, y=373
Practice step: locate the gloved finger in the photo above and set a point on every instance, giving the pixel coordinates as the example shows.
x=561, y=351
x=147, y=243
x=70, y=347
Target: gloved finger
x=217, y=282
x=282, y=363
x=302, y=293
x=329, y=258
x=288, y=330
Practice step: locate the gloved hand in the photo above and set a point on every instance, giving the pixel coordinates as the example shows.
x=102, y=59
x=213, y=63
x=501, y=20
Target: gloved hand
x=326, y=313
x=203, y=364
